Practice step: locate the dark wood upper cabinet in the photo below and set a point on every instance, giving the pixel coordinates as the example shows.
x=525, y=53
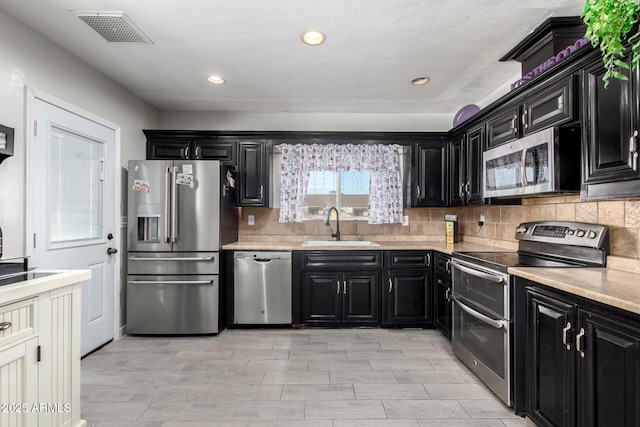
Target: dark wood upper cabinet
x=465, y=167
x=502, y=126
x=429, y=173
x=610, y=140
x=253, y=173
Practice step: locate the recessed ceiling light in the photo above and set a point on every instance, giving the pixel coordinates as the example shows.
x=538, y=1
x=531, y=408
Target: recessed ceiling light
x=216, y=80
x=313, y=37
x=419, y=81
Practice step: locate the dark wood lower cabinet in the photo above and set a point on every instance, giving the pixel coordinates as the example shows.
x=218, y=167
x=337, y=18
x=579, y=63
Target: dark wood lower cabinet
x=583, y=363
x=337, y=298
x=442, y=303
x=408, y=298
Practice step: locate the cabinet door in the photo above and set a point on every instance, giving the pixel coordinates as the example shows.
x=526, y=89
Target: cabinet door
x=551, y=106
x=442, y=304
x=409, y=297
x=168, y=149
x=551, y=362
x=456, y=171
x=321, y=297
x=360, y=303
x=503, y=126
x=253, y=175
x=19, y=384
x=475, y=142
x=609, y=387
x=608, y=127
x=215, y=149
x=429, y=174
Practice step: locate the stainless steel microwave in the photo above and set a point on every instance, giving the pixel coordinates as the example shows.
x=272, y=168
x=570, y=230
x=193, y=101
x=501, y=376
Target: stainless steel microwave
x=543, y=162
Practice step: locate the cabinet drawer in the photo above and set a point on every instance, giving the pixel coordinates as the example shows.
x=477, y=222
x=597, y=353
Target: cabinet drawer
x=442, y=261
x=342, y=260
x=19, y=320
x=408, y=259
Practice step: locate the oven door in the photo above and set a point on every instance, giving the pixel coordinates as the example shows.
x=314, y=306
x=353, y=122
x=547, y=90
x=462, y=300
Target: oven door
x=481, y=327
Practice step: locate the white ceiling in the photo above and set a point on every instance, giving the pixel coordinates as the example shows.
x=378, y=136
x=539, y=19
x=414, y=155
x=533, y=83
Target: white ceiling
x=373, y=49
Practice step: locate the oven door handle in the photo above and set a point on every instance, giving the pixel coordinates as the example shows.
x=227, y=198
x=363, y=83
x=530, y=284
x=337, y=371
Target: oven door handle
x=478, y=273
x=498, y=324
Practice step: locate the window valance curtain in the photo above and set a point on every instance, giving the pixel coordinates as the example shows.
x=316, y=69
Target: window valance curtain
x=385, y=188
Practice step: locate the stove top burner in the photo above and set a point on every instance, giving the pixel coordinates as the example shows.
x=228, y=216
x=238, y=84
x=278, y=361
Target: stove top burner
x=503, y=260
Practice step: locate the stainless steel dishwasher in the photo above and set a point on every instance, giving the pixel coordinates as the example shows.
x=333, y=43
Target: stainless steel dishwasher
x=262, y=288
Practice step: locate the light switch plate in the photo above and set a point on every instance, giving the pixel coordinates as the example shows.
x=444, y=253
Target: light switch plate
x=405, y=220
x=251, y=220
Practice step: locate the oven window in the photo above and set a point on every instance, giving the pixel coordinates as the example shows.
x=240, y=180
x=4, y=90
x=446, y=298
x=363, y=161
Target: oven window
x=485, y=342
x=481, y=291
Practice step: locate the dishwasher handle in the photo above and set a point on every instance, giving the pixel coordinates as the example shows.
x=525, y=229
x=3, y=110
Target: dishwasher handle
x=264, y=260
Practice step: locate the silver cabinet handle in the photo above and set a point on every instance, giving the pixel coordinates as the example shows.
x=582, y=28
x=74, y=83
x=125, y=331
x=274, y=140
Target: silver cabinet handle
x=428, y=260
x=514, y=128
x=418, y=192
x=448, y=266
x=460, y=191
x=467, y=186
x=524, y=119
x=186, y=152
x=447, y=295
x=564, y=336
x=478, y=273
x=633, y=148
x=197, y=151
x=4, y=326
x=338, y=287
x=344, y=287
x=390, y=286
x=498, y=324
x=579, y=346
x=261, y=192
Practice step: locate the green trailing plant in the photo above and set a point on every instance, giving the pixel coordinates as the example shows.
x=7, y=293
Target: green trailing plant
x=608, y=24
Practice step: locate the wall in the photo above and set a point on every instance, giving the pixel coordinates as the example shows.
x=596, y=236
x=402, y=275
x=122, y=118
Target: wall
x=27, y=59
x=622, y=217
x=194, y=120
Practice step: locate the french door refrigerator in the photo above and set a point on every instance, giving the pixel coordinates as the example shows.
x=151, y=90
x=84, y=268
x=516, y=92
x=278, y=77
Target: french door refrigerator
x=179, y=214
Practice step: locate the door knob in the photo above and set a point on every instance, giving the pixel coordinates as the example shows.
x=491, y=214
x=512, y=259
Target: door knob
x=109, y=236
x=111, y=251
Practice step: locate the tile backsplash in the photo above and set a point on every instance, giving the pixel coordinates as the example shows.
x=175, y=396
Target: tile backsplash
x=622, y=217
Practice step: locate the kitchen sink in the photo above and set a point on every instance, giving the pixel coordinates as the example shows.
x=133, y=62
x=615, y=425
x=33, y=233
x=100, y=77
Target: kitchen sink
x=339, y=243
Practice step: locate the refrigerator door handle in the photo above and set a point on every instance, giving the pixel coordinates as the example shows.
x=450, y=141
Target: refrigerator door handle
x=204, y=258
x=167, y=211
x=174, y=207
x=170, y=282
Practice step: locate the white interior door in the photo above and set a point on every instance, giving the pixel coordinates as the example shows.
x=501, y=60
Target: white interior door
x=73, y=205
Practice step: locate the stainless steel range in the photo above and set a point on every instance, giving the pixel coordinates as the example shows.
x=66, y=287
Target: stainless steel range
x=482, y=294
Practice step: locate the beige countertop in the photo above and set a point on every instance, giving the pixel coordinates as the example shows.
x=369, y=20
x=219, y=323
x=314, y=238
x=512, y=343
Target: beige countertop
x=613, y=287
x=384, y=246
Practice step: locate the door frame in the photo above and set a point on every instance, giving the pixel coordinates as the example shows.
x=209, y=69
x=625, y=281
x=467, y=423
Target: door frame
x=31, y=94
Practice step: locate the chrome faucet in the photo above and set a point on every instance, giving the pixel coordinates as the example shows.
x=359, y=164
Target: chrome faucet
x=337, y=233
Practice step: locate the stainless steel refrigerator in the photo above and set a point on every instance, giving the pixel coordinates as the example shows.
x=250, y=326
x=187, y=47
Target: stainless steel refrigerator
x=179, y=214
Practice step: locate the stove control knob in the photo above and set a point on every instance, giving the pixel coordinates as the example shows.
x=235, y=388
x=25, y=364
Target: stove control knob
x=591, y=234
x=571, y=231
x=580, y=233
x=522, y=229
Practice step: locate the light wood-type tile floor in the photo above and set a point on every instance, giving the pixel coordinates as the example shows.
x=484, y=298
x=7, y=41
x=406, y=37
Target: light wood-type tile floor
x=287, y=378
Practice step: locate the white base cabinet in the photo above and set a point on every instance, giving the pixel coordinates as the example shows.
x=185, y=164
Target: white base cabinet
x=40, y=358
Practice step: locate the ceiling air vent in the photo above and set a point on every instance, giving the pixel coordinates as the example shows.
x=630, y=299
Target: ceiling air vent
x=115, y=27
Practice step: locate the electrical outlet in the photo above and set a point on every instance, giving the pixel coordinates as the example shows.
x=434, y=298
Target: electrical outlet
x=481, y=221
x=405, y=220
x=251, y=220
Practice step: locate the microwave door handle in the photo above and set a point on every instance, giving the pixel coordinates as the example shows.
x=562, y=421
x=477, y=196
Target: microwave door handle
x=477, y=273
x=523, y=165
x=498, y=324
